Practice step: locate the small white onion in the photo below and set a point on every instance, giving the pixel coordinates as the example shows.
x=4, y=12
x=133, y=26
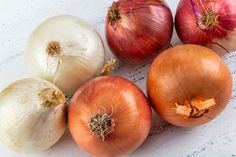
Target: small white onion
x=66, y=51
x=32, y=115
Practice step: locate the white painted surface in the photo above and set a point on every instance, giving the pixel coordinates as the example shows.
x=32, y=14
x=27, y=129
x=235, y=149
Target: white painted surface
x=19, y=18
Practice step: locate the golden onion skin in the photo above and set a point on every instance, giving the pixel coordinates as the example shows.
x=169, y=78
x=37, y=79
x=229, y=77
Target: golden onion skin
x=184, y=72
x=126, y=104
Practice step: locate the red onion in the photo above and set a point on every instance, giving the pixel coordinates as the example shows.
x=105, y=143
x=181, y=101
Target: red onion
x=137, y=29
x=211, y=23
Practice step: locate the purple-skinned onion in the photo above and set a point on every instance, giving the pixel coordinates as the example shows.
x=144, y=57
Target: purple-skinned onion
x=210, y=23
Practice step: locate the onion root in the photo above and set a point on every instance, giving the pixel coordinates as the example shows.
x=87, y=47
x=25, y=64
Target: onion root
x=53, y=49
x=101, y=125
x=114, y=13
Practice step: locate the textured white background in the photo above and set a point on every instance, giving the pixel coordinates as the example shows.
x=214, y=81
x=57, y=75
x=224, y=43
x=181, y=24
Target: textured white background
x=17, y=21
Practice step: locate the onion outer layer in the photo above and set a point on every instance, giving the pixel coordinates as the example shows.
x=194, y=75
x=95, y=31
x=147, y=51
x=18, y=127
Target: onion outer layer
x=65, y=50
x=32, y=115
x=211, y=23
x=129, y=111
x=185, y=73
x=137, y=29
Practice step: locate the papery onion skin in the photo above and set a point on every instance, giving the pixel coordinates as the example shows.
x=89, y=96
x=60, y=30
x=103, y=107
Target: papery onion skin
x=183, y=73
x=27, y=125
x=80, y=55
x=128, y=107
x=221, y=37
x=143, y=28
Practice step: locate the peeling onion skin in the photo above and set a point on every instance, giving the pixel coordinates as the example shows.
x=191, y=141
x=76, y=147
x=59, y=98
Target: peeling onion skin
x=221, y=38
x=128, y=107
x=144, y=27
x=185, y=72
x=81, y=54
x=26, y=125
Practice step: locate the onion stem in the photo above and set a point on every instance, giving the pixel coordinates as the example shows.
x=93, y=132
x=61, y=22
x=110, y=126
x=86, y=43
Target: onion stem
x=195, y=108
x=51, y=97
x=108, y=67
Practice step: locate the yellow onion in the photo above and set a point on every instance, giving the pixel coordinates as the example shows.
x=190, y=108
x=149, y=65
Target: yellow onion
x=189, y=85
x=109, y=116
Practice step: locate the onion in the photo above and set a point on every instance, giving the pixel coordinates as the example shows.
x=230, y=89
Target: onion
x=137, y=29
x=189, y=85
x=109, y=116
x=32, y=115
x=66, y=51
x=211, y=23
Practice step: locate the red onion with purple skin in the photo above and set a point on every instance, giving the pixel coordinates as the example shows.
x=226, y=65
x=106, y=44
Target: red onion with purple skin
x=137, y=29
x=211, y=23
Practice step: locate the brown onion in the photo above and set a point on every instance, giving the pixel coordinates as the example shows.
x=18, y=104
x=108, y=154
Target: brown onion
x=189, y=85
x=109, y=116
x=137, y=29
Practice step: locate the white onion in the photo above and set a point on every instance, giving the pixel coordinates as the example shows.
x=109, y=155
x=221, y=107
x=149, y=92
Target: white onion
x=77, y=57
x=32, y=115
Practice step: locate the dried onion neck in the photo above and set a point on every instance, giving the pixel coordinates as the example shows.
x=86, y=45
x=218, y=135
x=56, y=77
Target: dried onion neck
x=194, y=108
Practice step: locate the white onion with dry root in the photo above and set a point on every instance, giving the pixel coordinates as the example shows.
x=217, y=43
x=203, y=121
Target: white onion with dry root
x=32, y=115
x=66, y=51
